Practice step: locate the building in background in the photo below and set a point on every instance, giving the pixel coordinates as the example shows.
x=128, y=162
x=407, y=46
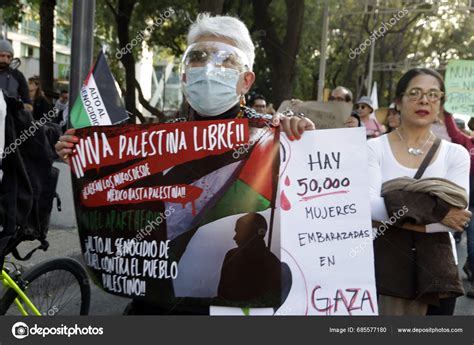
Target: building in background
x=158, y=78
x=25, y=40
x=159, y=81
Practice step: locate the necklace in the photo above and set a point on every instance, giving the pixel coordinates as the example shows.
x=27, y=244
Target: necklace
x=413, y=150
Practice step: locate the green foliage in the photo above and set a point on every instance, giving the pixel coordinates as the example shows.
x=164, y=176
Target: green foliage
x=13, y=10
x=428, y=38
x=165, y=40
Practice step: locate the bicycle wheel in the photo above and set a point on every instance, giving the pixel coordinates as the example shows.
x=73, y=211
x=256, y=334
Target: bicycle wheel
x=55, y=287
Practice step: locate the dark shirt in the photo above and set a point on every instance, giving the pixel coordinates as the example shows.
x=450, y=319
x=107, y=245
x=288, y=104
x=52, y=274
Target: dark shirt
x=230, y=114
x=251, y=273
x=41, y=107
x=14, y=84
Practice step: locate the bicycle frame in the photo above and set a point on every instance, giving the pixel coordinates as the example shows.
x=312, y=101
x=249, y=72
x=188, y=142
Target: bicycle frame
x=9, y=283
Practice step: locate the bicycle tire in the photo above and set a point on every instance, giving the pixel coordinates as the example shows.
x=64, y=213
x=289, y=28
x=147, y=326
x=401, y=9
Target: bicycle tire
x=65, y=267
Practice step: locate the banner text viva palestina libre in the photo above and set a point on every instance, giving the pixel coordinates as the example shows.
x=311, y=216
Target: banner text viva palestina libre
x=150, y=143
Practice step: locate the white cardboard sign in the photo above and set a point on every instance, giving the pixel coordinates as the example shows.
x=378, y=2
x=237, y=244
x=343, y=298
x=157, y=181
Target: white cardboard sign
x=325, y=215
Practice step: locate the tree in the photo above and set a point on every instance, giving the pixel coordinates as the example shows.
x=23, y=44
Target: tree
x=287, y=37
x=12, y=11
x=211, y=6
x=281, y=53
x=131, y=18
x=428, y=38
x=122, y=16
x=46, y=45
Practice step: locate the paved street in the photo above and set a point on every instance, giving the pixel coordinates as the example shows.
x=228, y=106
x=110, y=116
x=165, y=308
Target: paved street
x=66, y=243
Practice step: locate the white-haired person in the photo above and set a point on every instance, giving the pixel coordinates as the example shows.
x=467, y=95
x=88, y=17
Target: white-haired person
x=216, y=73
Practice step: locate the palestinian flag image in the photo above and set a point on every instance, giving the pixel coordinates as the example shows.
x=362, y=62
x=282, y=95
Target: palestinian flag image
x=98, y=103
x=225, y=250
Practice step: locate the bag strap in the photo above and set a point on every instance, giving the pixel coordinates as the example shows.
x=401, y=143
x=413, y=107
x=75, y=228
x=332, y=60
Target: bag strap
x=43, y=246
x=376, y=124
x=428, y=158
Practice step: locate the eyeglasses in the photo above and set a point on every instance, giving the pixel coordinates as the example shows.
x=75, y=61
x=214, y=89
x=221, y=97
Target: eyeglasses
x=360, y=106
x=416, y=93
x=214, y=53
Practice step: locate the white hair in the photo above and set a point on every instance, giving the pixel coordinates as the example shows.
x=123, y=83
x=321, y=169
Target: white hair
x=226, y=27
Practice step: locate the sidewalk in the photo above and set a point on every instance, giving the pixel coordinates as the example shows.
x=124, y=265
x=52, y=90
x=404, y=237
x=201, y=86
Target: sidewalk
x=66, y=243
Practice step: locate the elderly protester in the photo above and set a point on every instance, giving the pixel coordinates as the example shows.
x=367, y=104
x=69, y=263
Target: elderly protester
x=216, y=72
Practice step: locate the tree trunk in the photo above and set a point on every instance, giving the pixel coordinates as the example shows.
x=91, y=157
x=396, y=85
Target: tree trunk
x=123, y=16
x=212, y=6
x=282, y=55
x=46, y=45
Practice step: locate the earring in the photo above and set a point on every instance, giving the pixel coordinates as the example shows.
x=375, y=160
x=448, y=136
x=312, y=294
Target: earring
x=242, y=100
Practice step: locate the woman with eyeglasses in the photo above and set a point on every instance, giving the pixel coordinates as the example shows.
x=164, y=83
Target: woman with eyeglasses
x=417, y=202
x=364, y=108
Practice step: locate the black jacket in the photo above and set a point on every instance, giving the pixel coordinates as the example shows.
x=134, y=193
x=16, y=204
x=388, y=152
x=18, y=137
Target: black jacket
x=26, y=186
x=411, y=264
x=14, y=84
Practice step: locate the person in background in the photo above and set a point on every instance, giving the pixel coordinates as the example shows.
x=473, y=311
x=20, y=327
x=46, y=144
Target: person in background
x=439, y=129
x=364, y=107
x=259, y=103
x=62, y=101
x=41, y=105
x=458, y=137
x=61, y=105
x=461, y=124
x=271, y=110
x=353, y=120
x=341, y=94
x=12, y=81
x=393, y=118
x=470, y=124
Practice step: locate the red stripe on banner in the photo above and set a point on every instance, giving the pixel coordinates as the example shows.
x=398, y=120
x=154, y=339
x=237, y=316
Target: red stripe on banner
x=180, y=194
x=190, y=141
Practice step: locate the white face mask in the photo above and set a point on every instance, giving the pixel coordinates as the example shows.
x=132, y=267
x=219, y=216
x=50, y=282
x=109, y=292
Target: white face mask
x=211, y=91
